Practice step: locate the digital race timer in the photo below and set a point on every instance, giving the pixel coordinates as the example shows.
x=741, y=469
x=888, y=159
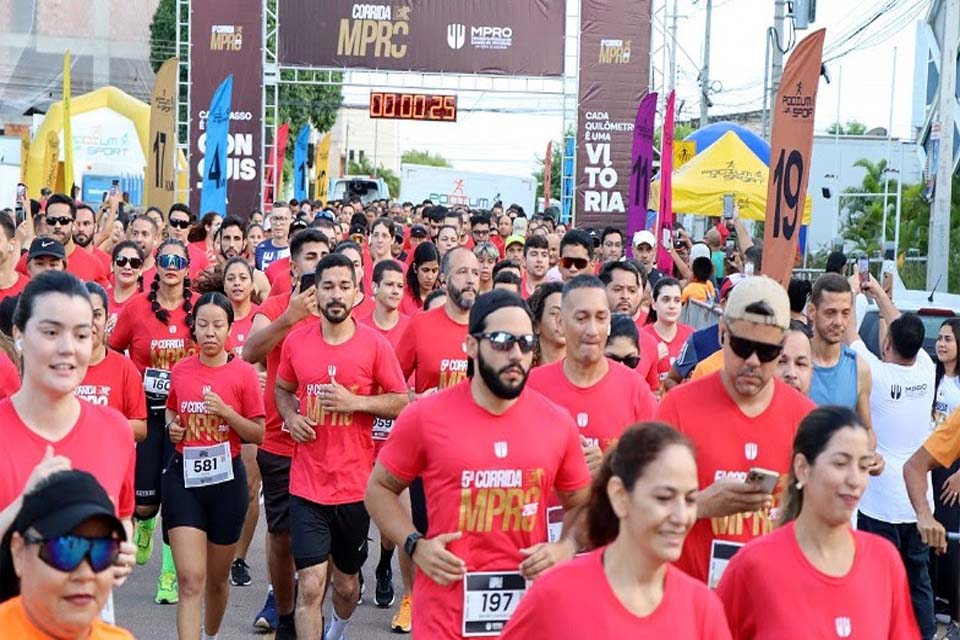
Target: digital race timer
x=413, y=106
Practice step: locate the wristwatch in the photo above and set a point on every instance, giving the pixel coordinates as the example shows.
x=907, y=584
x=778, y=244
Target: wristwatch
x=411, y=544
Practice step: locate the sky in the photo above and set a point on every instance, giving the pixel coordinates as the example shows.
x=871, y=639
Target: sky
x=505, y=133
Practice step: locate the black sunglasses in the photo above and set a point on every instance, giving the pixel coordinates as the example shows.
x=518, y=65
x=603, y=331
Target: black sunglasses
x=179, y=224
x=744, y=348
x=122, y=261
x=579, y=263
x=630, y=361
x=65, y=553
x=62, y=221
x=503, y=341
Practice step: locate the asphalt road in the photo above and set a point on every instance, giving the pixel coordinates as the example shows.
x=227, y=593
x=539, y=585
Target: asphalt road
x=136, y=611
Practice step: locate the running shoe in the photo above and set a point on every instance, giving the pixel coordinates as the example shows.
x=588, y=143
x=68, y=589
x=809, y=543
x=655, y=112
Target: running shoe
x=384, y=594
x=167, y=588
x=240, y=573
x=326, y=629
x=267, y=619
x=401, y=621
x=143, y=540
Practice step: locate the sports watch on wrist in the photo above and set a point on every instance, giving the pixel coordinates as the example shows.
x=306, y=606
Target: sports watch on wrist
x=411, y=544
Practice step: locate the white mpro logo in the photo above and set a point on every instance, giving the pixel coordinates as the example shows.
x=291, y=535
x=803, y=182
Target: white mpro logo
x=456, y=36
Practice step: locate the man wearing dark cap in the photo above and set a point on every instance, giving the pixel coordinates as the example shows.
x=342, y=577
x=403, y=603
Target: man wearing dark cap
x=46, y=254
x=487, y=466
x=60, y=219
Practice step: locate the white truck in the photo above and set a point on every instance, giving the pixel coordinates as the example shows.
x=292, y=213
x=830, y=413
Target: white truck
x=454, y=187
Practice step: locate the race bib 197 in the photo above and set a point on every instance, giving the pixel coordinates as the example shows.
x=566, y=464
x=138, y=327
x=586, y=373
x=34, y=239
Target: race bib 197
x=489, y=599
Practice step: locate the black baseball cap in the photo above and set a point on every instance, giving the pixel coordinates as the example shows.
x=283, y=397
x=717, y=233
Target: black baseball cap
x=46, y=247
x=63, y=501
x=358, y=229
x=418, y=231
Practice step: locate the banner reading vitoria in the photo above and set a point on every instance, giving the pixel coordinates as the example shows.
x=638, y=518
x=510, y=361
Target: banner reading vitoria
x=509, y=37
x=614, y=74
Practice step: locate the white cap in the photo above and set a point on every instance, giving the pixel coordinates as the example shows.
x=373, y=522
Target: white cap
x=644, y=237
x=699, y=250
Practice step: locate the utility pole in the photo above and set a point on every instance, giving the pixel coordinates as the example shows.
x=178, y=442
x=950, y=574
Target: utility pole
x=705, y=72
x=776, y=66
x=673, y=52
x=939, y=238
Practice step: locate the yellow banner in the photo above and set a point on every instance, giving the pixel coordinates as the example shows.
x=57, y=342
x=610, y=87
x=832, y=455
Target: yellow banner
x=67, y=134
x=159, y=183
x=321, y=176
x=51, y=160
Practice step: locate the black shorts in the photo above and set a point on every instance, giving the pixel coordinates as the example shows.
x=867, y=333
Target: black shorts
x=275, y=480
x=153, y=455
x=418, y=506
x=217, y=509
x=338, y=532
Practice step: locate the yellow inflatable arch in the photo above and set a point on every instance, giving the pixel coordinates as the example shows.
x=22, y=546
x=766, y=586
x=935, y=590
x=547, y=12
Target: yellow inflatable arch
x=136, y=111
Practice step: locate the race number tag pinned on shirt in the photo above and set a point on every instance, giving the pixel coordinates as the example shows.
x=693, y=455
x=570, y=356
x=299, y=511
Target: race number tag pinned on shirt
x=720, y=553
x=205, y=466
x=381, y=428
x=489, y=599
x=156, y=382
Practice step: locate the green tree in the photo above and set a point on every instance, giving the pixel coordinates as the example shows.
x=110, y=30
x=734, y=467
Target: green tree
x=680, y=132
x=852, y=128
x=415, y=156
x=163, y=33
x=363, y=167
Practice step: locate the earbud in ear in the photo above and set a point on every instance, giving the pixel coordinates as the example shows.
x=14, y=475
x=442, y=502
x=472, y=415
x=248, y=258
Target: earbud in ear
x=19, y=344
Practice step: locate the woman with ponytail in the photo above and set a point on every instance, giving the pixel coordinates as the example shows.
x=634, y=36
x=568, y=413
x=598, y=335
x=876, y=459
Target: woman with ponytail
x=642, y=507
x=155, y=327
x=815, y=576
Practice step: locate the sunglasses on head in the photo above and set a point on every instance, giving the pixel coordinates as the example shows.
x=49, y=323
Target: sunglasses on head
x=172, y=261
x=179, y=224
x=503, y=341
x=579, y=263
x=744, y=348
x=65, y=553
x=122, y=261
x=630, y=361
x=62, y=221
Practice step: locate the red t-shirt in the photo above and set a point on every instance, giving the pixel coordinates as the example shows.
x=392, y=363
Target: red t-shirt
x=728, y=444
x=674, y=346
x=648, y=367
x=365, y=308
x=484, y=475
x=602, y=411
x=236, y=383
x=432, y=348
x=409, y=306
x=275, y=439
x=240, y=330
x=554, y=607
x=199, y=261
x=771, y=591
x=334, y=468
x=115, y=382
x=100, y=443
x=382, y=426
x=152, y=343
x=103, y=258
x=15, y=288
x=9, y=376
x=114, y=307
x=276, y=269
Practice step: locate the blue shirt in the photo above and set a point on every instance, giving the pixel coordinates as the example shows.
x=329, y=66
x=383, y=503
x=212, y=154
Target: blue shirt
x=699, y=346
x=837, y=385
x=267, y=253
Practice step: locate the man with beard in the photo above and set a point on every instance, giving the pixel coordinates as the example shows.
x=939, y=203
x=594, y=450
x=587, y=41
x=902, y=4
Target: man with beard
x=840, y=376
x=432, y=352
x=611, y=245
x=738, y=418
x=584, y=381
x=84, y=231
x=144, y=231
x=231, y=243
x=61, y=216
x=488, y=464
x=334, y=380
x=623, y=285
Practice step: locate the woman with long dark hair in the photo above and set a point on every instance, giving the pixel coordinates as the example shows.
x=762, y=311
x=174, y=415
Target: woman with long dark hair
x=643, y=505
x=214, y=404
x=422, y=277
x=545, y=309
x=663, y=324
x=202, y=234
x=815, y=576
x=155, y=327
x=126, y=265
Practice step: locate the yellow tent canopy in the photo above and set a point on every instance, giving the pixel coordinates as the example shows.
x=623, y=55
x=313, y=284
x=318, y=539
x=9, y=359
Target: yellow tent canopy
x=726, y=166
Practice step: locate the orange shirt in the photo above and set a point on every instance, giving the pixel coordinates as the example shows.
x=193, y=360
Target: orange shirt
x=702, y=291
x=711, y=364
x=16, y=624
